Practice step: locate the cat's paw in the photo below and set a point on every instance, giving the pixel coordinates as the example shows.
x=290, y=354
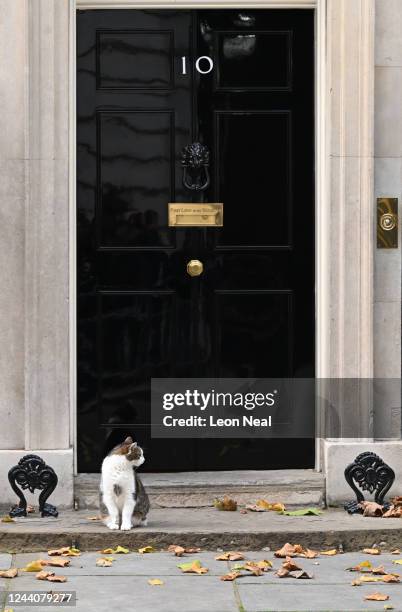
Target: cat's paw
x=144, y=522
x=125, y=527
x=112, y=525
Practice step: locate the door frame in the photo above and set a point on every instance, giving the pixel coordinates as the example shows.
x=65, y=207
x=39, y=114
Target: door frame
x=330, y=319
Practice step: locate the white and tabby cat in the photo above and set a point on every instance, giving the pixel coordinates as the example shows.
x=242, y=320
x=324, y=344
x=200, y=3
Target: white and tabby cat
x=121, y=488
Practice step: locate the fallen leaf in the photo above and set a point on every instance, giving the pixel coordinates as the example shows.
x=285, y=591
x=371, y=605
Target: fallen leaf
x=57, y=579
x=66, y=551
x=282, y=572
x=104, y=562
x=356, y=582
x=379, y=570
x=177, y=550
x=253, y=569
x=264, y=564
x=372, y=551
x=57, y=562
x=230, y=556
x=34, y=566
x=310, y=554
x=361, y=567
x=142, y=551
x=231, y=576
x=371, y=508
x=7, y=519
x=301, y=574
x=388, y=607
x=191, y=551
x=121, y=550
x=94, y=518
x=390, y=578
x=397, y=561
x=370, y=578
x=303, y=512
x=226, y=504
x=377, y=597
x=393, y=512
x=155, y=582
x=193, y=567
x=290, y=565
x=329, y=553
x=288, y=550
x=43, y=575
x=30, y=509
x=10, y=573
x=396, y=551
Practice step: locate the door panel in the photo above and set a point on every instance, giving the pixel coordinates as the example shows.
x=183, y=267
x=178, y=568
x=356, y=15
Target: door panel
x=251, y=312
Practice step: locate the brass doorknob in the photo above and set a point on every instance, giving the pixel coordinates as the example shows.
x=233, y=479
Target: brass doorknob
x=388, y=221
x=194, y=267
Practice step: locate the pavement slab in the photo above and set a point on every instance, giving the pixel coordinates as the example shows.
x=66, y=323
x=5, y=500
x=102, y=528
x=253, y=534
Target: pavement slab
x=125, y=585
x=206, y=528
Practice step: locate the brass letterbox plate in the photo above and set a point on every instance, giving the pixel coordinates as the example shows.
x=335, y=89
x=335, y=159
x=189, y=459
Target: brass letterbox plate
x=387, y=223
x=195, y=215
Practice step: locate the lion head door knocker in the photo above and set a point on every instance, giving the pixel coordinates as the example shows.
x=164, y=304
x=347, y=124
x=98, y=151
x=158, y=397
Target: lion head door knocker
x=369, y=472
x=195, y=164
x=32, y=473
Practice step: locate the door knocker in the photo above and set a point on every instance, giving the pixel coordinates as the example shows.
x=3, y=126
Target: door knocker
x=195, y=163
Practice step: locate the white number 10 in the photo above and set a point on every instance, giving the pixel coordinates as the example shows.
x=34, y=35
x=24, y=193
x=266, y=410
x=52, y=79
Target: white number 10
x=202, y=58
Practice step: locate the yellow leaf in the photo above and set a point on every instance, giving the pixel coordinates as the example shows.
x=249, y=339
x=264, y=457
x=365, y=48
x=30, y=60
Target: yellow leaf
x=370, y=579
x=34, y=566
x=397, y=561
x=329, y=553
x=388, y=607
x=262, y=503
x=66, y=551
x=10, y=573
x=193, y=567
x=120, y=550
x=7, y=519
x=107, y=551
x=155, y=582
x=146, y=549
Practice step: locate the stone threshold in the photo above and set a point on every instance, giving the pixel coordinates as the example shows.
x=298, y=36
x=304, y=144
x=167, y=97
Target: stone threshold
x=199, y=489
x=206, y=528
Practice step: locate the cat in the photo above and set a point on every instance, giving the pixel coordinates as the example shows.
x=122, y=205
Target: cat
x=121, y=489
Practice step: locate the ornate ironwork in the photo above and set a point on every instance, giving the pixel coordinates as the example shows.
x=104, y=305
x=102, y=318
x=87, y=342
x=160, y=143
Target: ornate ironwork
x=195, y=163
x=32, y=473
x=369, y=472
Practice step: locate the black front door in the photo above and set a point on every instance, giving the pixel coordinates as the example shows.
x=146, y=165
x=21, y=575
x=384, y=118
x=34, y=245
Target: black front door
x=149, y=83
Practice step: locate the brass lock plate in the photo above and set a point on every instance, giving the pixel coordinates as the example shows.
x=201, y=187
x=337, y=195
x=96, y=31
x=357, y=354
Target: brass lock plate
x=387, y=223
x=195, y=215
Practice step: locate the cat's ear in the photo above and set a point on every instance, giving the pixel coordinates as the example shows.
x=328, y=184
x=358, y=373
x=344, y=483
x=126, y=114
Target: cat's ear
x=134, y=444
x=128, y=440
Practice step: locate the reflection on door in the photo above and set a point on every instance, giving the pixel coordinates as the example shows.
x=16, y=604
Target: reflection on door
x=149, y=84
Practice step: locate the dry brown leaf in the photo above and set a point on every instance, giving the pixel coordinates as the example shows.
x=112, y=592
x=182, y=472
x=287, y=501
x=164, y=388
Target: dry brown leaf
x=356, y=582
x=253, y=568
x=104, y=562
x=191, y=551
x=57, y=562
x=371, y=508
x=230, y=556
x=310, y=554
x=377, y=597
x=231, y=576
x=282, y=572
x=396, y=551
x=372, y=551
x=393, y=512
x=95, y=518
x=397, y=501
x=57, y=579
x=177, y=550
x=288, y=550
x=43, y=575
x=390, y=578
x=380, y=570
x=226, y=504
x=10, y=573
x=290, y=565
x=301, y=574
x=155, y=582
x=329, y=553
x=66, y=551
